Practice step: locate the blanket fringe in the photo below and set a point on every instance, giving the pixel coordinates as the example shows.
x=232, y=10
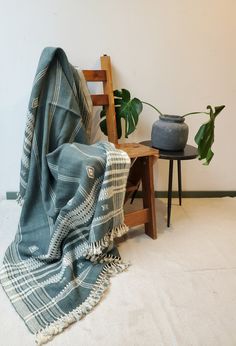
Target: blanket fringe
x=102, y=283
x=94, y=250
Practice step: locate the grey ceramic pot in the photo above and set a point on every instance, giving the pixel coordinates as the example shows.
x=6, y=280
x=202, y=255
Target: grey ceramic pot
x=169, y=133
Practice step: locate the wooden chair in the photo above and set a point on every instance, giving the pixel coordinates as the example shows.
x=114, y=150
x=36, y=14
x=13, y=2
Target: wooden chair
x=142, y=157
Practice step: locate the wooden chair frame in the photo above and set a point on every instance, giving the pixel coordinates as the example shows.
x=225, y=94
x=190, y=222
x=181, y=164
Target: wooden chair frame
x=142, y=156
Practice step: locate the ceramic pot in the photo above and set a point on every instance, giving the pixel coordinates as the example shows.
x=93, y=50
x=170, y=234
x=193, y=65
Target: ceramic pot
x=169, y=133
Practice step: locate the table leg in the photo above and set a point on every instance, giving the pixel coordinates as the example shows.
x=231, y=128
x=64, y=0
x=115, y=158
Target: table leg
x=169, y=192
x=179, y=182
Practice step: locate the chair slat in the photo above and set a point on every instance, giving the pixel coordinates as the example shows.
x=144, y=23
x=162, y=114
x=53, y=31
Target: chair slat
x=95, y=75
x=138, y=217
x=100, y=100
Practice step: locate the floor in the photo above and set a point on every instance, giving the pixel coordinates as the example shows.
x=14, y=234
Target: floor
x=179, y=291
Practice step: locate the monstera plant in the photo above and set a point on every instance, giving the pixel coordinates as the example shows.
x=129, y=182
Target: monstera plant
x=129, y=109
x=126, y=108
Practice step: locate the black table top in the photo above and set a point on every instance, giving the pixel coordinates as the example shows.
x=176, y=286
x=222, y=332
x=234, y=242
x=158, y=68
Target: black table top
x=190, y=152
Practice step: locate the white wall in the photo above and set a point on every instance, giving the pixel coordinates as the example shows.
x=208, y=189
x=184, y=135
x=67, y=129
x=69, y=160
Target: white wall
x=177, y=54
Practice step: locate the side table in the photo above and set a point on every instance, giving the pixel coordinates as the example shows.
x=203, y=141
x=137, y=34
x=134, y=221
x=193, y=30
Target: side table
x=190, y=152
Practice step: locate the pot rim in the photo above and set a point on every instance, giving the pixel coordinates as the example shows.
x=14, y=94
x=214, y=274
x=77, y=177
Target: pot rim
x=172, y=118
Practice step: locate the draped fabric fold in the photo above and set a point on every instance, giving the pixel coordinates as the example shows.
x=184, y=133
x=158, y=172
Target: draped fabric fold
x=72, y=193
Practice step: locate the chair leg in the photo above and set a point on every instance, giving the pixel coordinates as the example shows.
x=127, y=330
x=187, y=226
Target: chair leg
x=134, y=177
x=149, y=196
x=134, y=193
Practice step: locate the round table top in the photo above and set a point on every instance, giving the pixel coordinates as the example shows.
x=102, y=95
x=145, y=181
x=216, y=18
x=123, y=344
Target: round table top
x=190, y=152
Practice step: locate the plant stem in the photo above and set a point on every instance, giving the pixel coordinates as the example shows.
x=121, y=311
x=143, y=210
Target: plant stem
x=149, y=104
x=185, y=115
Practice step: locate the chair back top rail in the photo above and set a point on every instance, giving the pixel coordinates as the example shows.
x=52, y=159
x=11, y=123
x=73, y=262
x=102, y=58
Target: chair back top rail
x=95, y=75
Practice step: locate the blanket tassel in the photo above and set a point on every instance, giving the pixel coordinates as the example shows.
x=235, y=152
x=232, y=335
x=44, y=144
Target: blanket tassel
x=102, y=283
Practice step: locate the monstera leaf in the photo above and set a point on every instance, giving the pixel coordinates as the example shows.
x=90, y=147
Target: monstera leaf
x=205, y=135
x=103, y=124
x=126, y=108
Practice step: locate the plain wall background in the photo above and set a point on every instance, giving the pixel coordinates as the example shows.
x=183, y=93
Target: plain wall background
x=177, y=54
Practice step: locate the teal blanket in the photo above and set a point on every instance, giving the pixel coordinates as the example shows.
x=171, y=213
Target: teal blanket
x=59, y=264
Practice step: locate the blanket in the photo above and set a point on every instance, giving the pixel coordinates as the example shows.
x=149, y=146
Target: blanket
x=60, y=262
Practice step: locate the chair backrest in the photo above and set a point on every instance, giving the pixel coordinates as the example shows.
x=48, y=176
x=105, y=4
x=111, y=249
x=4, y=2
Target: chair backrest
x=107, y=98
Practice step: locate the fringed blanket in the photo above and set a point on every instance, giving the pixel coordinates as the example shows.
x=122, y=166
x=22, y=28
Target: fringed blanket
x=59, y=264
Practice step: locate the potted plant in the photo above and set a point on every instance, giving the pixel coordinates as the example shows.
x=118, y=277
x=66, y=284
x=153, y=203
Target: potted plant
x=170, y=132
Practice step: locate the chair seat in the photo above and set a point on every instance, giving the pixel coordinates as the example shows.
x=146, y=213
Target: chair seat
x=137, y=150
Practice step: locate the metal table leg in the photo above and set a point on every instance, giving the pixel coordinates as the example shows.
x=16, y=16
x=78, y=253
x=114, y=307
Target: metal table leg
x=179, y=182
x=169, y=192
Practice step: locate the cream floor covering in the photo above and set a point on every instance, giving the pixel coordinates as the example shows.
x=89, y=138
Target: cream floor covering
x=179, y=290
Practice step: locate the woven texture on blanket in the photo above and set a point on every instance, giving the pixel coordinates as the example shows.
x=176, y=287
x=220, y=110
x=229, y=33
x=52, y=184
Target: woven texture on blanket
x=60, y=261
